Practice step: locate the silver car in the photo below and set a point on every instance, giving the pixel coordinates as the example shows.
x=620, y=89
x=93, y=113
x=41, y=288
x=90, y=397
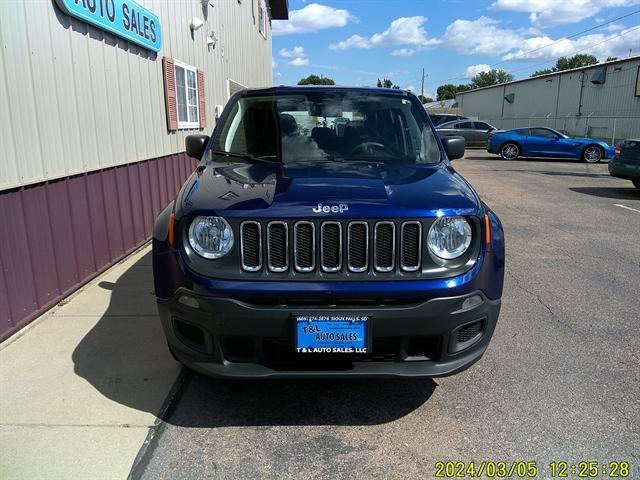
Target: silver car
x=475, y=133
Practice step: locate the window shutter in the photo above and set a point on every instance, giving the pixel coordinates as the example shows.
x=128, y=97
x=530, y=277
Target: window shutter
x=201, y=101
x=170, y=93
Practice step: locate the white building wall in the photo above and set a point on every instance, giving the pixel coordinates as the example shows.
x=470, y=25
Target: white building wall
x=566, y=101
x=75, y=98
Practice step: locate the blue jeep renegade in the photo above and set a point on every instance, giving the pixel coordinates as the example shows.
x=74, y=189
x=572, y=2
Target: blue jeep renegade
x=325, y=233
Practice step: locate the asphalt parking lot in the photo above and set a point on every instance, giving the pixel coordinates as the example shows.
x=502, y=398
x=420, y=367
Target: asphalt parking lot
x=560, y=380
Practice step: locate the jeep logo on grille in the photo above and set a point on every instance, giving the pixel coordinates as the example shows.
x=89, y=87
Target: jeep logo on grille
x=340, y=208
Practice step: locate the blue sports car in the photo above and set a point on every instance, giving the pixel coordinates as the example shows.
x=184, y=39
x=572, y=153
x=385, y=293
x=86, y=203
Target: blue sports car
x=546, y=142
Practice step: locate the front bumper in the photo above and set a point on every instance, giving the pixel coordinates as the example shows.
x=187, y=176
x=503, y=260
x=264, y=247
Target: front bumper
x=238, y=338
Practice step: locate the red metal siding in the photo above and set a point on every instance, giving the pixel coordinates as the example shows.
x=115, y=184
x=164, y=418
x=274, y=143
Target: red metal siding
x=37, y=220
x=16, y=260
x=58, y=235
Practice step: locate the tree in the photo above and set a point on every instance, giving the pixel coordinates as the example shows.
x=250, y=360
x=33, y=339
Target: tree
x=316, y=80
x=448, y=91
x=491, y=77
x=567, y=63
x=424, y=99
x=544, y=71
x=577, y=61
x=611, y=59
x=386, y=83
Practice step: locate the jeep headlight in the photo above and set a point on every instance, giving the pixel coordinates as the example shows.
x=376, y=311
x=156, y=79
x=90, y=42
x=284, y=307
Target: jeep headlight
x=210, y=237
x=449, y=237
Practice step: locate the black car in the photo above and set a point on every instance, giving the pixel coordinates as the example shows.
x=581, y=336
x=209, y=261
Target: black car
x=475, y=133
x=440, y=118
x=626, y=162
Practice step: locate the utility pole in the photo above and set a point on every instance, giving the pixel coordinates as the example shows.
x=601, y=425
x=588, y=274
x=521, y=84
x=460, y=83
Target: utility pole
x=422, y=88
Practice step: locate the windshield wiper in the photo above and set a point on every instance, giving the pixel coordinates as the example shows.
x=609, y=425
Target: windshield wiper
x=244, y=156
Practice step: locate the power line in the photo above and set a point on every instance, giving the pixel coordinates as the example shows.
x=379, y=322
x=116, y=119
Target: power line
x=573, y=35
x=580, y=50
x=562, y=40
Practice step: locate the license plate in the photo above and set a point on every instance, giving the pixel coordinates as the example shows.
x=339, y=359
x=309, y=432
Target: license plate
x=331, y=333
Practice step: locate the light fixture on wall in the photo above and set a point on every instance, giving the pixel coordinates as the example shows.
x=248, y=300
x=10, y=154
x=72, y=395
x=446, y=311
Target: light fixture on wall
x=599, y=76
x=196, y=23
x=212, y=40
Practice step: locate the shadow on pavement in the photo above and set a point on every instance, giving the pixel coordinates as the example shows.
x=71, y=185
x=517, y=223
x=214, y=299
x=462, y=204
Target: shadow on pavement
x=555, y=174
x=577, y=174
x=608, y=192
x=473, y=156
x=207, y=402
x=125, y=357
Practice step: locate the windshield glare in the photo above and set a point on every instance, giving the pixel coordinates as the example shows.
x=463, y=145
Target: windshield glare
x=335, y=126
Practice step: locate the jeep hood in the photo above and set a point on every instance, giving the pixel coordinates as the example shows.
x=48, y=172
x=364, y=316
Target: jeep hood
x=294, y=190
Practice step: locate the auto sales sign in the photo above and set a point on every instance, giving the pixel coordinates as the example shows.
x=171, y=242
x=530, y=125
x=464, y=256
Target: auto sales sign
x=123, y=18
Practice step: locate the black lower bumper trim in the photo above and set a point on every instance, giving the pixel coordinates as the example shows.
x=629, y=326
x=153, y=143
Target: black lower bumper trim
x=435, y=337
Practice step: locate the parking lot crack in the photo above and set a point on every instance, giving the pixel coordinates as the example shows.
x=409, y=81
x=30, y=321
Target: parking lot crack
x=519, y=285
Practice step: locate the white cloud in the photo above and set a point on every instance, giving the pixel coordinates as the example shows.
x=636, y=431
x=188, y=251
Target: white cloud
x=548, y=13
x=274, y=64
x=616, y=44
x=293, y=53
x=472, y=70
x=614, y=27
x=311, y=18
x=297, y=54
x=299, y=62
x=402, y=31
x=403, y=52
x=480, y=36
x=277, y=75
x=416, y=90
x=354, y=41
x=487, y=36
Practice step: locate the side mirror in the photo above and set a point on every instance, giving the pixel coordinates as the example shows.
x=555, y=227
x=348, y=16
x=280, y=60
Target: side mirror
x=195, y=145
x=453, y=146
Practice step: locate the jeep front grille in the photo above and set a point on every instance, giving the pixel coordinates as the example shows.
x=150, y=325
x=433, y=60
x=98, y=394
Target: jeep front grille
x=385, y=246
x=331, y=247
x=410, y=246
x=251, y=246
x=278, y=246
x=358, y=243
x=328, y=247
x=304, y=246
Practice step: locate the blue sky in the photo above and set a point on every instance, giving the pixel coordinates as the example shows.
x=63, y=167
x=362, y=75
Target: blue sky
x=355, y=42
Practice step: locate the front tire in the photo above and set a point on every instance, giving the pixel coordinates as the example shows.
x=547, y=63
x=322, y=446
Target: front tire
x=509, y=151
x=592, y=154
x=636, y=183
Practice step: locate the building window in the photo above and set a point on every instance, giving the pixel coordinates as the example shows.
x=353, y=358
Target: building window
x=187, y=95
x=262, y=18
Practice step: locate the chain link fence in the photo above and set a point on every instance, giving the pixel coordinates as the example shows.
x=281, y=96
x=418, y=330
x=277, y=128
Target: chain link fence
x=609, y=128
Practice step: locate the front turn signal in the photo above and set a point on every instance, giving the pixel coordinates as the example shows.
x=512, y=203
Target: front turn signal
x=172, y=221
x=487, y=229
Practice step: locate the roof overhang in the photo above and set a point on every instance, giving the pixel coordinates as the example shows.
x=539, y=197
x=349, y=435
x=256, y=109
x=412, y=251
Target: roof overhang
x=279, y=9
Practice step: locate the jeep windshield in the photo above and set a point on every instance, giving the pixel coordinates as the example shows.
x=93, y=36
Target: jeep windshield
x=321, y=126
